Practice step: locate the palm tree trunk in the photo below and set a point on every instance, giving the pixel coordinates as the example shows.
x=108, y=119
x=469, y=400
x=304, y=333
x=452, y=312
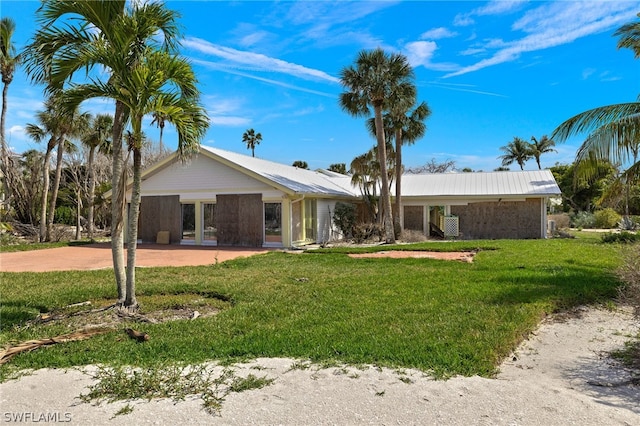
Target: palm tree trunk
x=55, y=187
x=5, y=150
x=382, y=157
x=118, y=184
x=78, y=213
x=132, y=237
x=45, y=192
x=92, y=192
x=398, y=218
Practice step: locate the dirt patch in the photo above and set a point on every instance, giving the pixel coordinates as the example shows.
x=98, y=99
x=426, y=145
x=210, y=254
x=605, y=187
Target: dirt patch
x=462, y=256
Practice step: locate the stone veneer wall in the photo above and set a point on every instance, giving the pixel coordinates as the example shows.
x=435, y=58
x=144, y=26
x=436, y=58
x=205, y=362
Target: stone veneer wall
x=504, y=219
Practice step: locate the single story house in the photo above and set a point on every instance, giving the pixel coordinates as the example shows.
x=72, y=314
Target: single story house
x=224, y=198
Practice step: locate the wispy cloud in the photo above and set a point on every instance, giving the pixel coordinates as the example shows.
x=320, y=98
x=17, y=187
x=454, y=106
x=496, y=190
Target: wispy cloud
x=470, y=88
x=222, y=68
x=553, y=25
x=438, y=33
x=494, y=7
x=256, y=61
x=420, y=53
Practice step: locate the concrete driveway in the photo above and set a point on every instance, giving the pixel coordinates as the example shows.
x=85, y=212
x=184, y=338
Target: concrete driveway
x=98, y=256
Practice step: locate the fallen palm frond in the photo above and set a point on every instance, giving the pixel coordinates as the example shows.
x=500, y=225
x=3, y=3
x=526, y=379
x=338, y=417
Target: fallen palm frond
x=30, y=345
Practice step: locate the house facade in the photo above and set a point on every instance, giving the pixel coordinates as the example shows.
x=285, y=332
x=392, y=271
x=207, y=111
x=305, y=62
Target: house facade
x=224, y=198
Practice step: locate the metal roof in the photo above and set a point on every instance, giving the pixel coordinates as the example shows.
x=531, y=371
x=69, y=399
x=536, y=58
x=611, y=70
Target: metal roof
x=293, y=179
x=538, y=183
x=524, y=183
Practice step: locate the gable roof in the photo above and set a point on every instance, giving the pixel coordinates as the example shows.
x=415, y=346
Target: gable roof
x=525, y=183
x=290, y=179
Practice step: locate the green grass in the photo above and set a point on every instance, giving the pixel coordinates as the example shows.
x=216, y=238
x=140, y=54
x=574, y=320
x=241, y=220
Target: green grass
x=39, y=246
x=446, y=318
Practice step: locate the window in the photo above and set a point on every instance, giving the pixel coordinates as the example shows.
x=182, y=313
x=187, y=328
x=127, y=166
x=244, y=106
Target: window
x=188, y=221
x=310, y=219
x=273, y=223
x=210, y=232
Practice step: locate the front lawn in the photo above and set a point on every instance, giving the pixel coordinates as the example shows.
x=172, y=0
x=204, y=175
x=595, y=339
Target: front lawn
x=443, y=317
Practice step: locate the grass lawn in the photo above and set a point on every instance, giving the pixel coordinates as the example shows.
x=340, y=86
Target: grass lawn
x=446, y=318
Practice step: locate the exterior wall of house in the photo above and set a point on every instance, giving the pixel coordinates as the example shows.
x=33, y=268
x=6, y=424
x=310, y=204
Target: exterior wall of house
x=326, y=229
x=501, y=219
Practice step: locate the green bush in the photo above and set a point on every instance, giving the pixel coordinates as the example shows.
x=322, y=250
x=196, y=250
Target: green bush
x=344, y=217
x=583, y=220
x=606, y=218
x=620, y=237
x=65, y=215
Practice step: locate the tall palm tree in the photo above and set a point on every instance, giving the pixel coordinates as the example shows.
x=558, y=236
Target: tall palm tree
x=251, y=138
x=9, y=60
x=405, y=127
x=539, y=147
x=163, y=83
x=97, y=138
x=101, y=35
x=516, y=151
x=374, y=82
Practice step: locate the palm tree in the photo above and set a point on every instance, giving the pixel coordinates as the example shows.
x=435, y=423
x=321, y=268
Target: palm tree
x=97, y=138
x=251, y=138
x=542, y=146
x=159, y=119
x=404, y=127
x=9, y=60
x=613, y=130
x=105, y=35
x=162, y=83
x=374, y=82
x=516, y=151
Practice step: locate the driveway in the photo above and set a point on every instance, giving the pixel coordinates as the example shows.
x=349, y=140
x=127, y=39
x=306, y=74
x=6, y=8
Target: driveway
x=98, y=256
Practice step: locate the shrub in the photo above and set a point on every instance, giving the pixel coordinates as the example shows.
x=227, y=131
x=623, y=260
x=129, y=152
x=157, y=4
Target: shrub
x=562, y=220
x=583, y=220
x=344, y=217
x=620, y=237
x=368, y=232
x=64, y=215
x=607, y=218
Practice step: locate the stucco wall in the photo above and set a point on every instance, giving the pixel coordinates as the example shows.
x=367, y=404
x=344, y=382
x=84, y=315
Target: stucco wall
x=505, y=219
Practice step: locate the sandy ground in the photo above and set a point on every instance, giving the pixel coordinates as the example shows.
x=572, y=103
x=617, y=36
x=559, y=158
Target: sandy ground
x=560, y=376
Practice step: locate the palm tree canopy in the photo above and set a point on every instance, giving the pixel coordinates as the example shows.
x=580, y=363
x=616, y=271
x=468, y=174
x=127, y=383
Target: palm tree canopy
x=9, y=58
x=374, y=81
x=629, y=37
x=517, y=151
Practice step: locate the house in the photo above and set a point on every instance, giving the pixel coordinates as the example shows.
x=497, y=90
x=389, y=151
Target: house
x=224, y=198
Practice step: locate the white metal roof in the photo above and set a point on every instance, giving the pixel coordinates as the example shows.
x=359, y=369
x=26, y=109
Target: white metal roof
x=537, y=183
x=525, y=183
x=296, y=180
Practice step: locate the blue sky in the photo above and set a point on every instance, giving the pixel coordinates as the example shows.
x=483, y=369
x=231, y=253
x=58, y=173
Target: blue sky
x=488, y=70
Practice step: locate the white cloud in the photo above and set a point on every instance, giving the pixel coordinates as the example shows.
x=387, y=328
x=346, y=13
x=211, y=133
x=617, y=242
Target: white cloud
x=257, y=60
x=494, y=7
x=463, y=20
x=437, y=33
x=586, y=73
x=420, y=53
x=556, y=24
x=229, y=121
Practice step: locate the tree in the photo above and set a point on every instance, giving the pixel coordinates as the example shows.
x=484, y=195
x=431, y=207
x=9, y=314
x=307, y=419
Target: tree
x=516, y=151
x=613, y=130
x=9, y=60
x=338, y=168
x=159, y=82
x=252, y=139
x=404, y=127
x=98, y=137
x=159, y=119
x=55, y=124
x=432, y=166
x=300, y=164
x=374, y=82
x=539, y=147
x=102, y=35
